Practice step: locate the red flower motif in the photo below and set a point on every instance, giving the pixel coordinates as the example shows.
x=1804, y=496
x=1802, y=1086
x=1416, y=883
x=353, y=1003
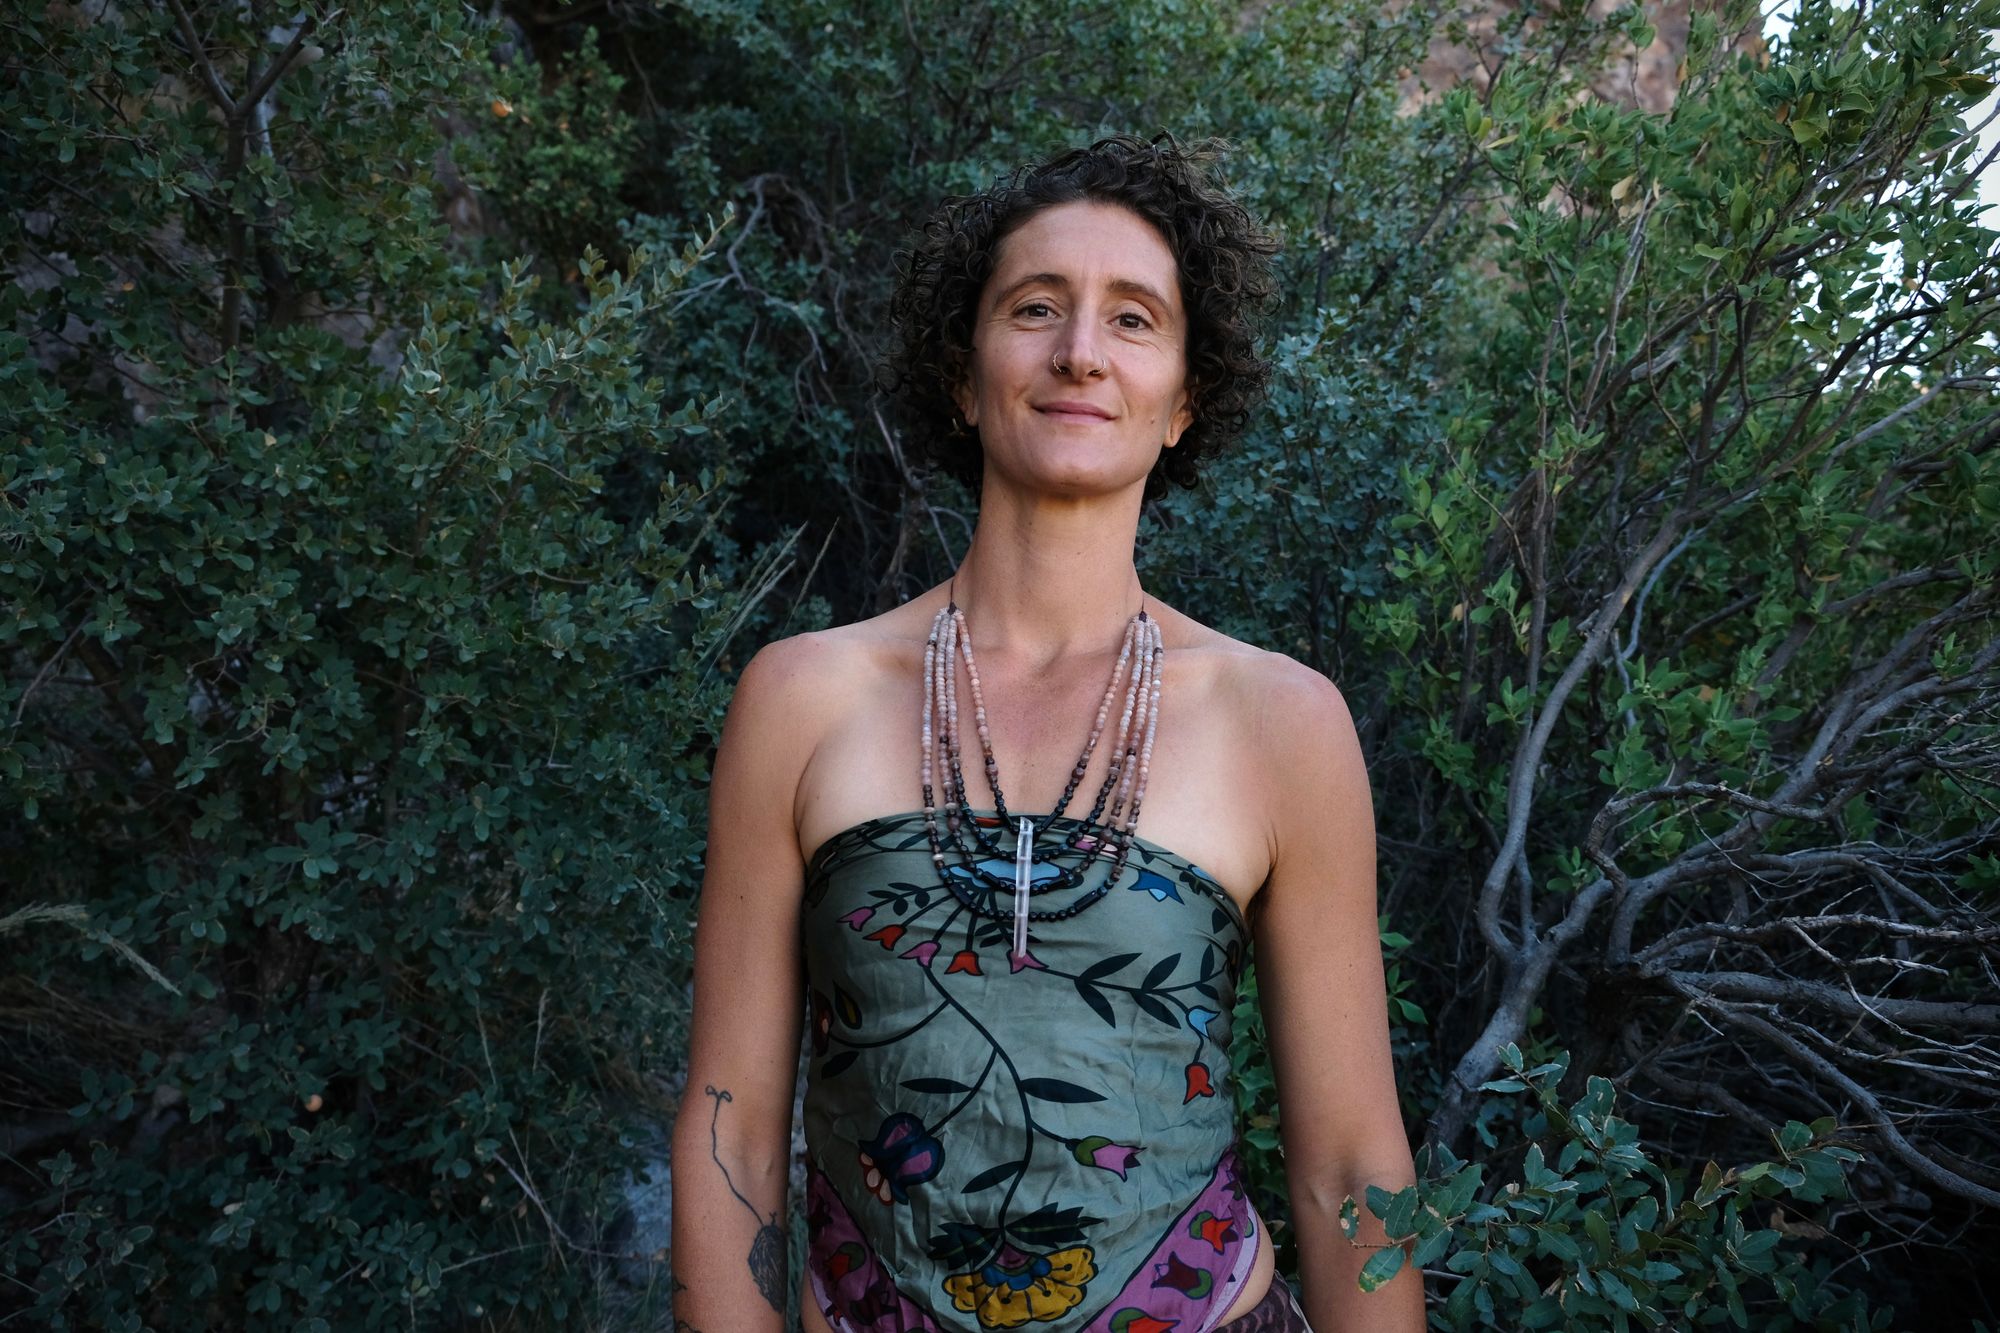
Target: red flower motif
x=965, y=960
x=1145, y=1323
x=844, y=1261
x=888, y=935
x=1197, y=1083
x=1216, y=1230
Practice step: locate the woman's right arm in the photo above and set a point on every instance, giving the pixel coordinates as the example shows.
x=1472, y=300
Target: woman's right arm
x=732, y=1137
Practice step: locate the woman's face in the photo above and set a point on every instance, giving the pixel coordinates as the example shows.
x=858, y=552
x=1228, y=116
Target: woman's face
x=1082, y=309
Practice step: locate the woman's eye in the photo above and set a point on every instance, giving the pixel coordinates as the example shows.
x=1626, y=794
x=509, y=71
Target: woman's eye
x=1032, y=305
x=1133, y=314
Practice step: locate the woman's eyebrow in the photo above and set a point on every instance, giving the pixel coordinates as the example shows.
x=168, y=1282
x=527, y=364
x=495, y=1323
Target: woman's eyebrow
x=1121, y=286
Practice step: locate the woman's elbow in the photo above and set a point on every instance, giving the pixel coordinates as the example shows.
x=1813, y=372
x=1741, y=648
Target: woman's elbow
x=710, y=1128
x=1384, y=1162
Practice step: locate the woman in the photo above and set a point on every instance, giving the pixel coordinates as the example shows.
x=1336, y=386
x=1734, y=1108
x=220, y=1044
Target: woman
x=1017, y=1110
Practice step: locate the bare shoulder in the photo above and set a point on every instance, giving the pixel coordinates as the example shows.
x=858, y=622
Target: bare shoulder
x=1305, y=728
x=796, y=689
x=794, y=684
x=1304, y=758
x=796, y=660
x=843, y=653
x=1317, y=800
x=1191, y=640
x=1298, y=699
x=1271, y=695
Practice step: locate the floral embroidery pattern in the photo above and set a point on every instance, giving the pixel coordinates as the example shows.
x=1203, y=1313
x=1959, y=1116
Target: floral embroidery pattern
x=1016, y=1288
x=1010, y=1219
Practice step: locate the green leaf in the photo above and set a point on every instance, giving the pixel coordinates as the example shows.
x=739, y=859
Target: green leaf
x=1399, y=1220
x=1382, y=1265
x=993, y=1175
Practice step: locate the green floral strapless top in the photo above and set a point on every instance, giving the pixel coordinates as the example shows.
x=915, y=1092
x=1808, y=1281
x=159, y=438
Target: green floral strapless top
x=1037, y=1140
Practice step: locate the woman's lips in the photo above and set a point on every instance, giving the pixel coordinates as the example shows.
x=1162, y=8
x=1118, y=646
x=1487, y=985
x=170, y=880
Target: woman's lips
x=1080, y=417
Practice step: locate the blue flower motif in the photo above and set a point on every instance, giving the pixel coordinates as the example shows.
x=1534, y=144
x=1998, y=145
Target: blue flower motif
x=1158, y=885
x=1199, y=1019
x=900, y=1155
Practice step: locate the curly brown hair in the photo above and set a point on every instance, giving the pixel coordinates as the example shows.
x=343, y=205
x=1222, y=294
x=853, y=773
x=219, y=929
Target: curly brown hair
x=1222, y=254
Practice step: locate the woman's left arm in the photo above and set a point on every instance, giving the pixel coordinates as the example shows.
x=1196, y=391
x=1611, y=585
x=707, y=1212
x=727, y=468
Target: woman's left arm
x=1325, y=1003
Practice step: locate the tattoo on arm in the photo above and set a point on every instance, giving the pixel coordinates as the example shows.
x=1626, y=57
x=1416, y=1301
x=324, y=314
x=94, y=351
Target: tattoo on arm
x=767, y=1251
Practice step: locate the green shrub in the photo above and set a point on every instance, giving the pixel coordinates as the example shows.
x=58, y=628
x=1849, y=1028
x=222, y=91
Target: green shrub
x=1691, y=621
x=348, y=688
x=1596, y=1234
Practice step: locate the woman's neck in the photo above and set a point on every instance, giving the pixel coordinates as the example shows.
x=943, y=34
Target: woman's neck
x=1048, y=581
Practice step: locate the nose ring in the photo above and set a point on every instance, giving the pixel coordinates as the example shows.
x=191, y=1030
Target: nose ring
x=1062, y=369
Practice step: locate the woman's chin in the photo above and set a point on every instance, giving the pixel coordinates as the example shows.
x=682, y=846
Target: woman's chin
x=1086, y=478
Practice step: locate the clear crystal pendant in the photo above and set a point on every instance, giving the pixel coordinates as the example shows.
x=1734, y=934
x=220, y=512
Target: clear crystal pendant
x=1024, y=851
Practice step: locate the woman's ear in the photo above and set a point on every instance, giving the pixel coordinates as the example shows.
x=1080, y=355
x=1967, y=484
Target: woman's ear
x=1183, y=418
x=968, y=401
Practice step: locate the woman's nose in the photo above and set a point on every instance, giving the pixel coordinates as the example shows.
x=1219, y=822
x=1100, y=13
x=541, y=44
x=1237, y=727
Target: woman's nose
x=1078, y=349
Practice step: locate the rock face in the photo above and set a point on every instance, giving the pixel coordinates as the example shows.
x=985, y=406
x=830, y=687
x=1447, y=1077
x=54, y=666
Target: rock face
x=1646, y=79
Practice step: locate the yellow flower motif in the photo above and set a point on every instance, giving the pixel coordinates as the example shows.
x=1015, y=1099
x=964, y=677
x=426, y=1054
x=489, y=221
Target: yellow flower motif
x=1018, y=1288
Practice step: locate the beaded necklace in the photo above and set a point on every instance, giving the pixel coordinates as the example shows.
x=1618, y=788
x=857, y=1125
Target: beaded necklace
x=1124, y=785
